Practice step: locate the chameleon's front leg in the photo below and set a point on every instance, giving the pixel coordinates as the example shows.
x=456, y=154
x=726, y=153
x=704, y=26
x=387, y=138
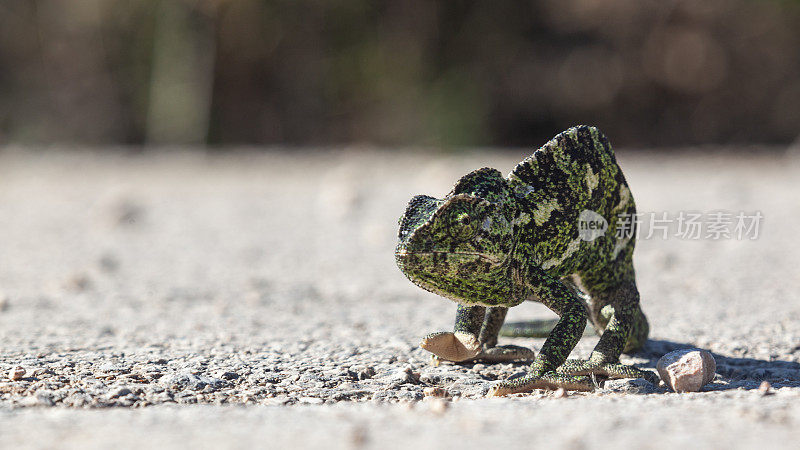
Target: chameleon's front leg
x=491, y=352
x=463, y=343
x=492, y=322
x=475, y=337
x=565, y=335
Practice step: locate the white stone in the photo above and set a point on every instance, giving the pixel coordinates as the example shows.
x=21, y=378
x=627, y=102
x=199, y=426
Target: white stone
x=16, y=373
x=687, y=370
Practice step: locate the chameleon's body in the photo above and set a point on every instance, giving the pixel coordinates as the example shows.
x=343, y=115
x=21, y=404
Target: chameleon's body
x=495, y=242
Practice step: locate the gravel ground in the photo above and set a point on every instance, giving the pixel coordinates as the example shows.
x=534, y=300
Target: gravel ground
x=251, y=298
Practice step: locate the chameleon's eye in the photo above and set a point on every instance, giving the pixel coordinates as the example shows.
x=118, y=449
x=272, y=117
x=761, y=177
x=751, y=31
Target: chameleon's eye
x=464, y=231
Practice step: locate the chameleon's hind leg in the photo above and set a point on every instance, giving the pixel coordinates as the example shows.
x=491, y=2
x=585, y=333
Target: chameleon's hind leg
x=490, y=351
x=624, y=328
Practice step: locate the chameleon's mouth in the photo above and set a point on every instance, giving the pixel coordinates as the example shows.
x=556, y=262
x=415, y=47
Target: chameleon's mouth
x=403, y=253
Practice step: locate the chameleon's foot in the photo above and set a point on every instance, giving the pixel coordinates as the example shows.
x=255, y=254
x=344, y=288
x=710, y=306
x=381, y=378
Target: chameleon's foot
x=550, y=380
x=505, y=353
x=610, y=370
x=452, y=346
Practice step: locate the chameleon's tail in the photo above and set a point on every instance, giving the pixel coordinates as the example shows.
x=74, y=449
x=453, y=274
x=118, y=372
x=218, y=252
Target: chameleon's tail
x=536, y=328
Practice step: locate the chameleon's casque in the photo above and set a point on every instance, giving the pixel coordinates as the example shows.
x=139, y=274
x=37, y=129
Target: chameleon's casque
x=497, y=241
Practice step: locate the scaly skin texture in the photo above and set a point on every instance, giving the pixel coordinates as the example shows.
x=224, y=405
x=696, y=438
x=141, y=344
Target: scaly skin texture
x=495, y=242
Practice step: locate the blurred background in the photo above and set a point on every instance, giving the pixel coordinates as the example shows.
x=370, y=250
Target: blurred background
x=418, y=72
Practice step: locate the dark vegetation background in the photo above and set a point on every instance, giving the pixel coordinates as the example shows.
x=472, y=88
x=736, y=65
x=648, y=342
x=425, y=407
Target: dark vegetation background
x=418, y=72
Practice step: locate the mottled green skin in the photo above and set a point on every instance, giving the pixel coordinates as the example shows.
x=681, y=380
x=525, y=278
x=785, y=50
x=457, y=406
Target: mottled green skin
x=496, y=242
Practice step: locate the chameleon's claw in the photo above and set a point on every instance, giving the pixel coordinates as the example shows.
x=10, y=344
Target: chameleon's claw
x=550, y=380
x=610, y=370
x=651, y=377
x=449, y=346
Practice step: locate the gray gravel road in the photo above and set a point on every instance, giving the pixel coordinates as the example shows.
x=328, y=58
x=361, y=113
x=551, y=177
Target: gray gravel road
x=251, y=300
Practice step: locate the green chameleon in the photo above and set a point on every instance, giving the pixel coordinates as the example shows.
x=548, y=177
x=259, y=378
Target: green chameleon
x=548, y=232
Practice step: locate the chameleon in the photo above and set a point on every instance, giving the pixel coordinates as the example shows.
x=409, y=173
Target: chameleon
x=494, y=242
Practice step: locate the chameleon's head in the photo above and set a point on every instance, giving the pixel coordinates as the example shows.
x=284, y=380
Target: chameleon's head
x=464, y=236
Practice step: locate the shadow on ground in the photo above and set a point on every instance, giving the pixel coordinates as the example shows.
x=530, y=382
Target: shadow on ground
x=732, y=372
x=736, y=372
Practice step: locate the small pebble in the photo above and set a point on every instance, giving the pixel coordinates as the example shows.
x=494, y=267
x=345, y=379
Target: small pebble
x=121, y=391
x=434, y=392
x=365, y=373
x=229, y=375
x=405, y=375
x=765, y=388
x=16, y=373
x=687, y=370
x=560, y=393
